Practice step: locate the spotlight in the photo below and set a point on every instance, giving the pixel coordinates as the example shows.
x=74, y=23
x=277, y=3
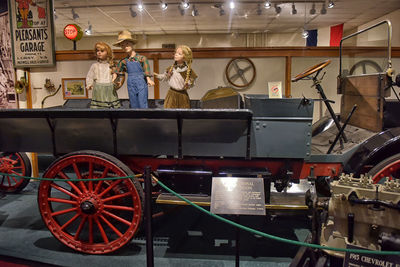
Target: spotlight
x=88, y=30
x=55, y=15
x=164, y=6
x=140, y=7
x=331, y=4
x=231, y=5
x=267, y=4
x=294, y=11
x=181, y=10
x=312, y=10
x=278, y=9
x=323, y=9
x=133, y=12
x=74, y=15
x=305, y=34
x=221, y=11
x=185, y=4
x=195, y=12
x=259, y=11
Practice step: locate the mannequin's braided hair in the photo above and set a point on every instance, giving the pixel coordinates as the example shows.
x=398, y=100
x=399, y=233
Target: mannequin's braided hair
x=188, y=58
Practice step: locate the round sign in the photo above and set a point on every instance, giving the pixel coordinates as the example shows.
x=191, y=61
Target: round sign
x=73, y=32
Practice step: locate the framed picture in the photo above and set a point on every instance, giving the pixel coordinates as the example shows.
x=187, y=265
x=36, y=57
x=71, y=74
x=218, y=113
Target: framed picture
x=74, y=88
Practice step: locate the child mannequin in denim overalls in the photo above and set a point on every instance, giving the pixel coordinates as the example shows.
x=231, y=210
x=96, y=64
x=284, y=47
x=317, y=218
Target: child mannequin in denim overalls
x=138, y=70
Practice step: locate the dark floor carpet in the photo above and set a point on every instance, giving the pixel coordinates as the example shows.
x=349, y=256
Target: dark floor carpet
x=182, y=237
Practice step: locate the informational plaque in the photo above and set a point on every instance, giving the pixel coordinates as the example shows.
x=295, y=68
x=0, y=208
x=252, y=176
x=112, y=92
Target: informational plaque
x=369, y=260
x=32, y=33
x=275, y=89
x=239, y=196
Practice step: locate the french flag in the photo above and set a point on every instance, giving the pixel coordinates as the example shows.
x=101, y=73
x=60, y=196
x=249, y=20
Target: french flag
x=335, y=35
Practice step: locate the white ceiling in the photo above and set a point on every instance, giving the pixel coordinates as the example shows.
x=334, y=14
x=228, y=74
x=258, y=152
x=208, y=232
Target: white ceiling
x=108, y=17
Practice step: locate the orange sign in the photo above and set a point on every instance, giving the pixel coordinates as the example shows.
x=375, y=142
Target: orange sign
x=73, y=32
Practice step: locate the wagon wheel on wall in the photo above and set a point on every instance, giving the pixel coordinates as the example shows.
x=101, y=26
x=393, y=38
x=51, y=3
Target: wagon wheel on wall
x=14, y=163
x=389, y=167
x=94, y=217
x=240, y=72
x=363, y=64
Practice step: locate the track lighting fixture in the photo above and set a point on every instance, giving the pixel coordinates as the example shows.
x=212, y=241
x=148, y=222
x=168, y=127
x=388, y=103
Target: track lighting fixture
x=331, y=4
x=140, y=7
x=133, y=12
x=278, y=9
x=164, y=6
x=323, y=9
x=267, y=4
x=54, y=13
x=259, y=11
x=88, y=30
x=305, y=34
x=185, y=4
x=195, y=11
x=231, y=5
x=181, y=10
x=74, y=14
x=312, y=10
x=221, y=11
x=294, y=11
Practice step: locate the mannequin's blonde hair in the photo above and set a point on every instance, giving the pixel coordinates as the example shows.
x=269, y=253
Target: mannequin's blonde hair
x=106, y=47
x=188, y=58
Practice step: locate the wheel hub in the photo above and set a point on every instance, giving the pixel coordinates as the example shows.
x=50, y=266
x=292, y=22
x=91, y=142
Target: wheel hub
x=88, y=207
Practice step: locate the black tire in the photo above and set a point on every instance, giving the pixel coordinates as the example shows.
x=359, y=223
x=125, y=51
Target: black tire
x=389, y=167
x=22, y=166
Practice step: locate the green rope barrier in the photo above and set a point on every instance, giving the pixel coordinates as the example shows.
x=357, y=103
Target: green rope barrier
x=276, y=238
x=65, y=180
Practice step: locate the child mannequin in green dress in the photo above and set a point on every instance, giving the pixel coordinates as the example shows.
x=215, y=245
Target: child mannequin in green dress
x=180, y=77
x=99, y=78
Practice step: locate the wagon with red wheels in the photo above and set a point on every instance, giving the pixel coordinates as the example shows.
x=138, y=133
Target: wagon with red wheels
x=92, y=199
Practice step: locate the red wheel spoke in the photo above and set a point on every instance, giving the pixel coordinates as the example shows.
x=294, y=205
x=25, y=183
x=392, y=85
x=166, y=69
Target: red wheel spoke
x=78, y=174
x=111, y=226
x=102, y=232
x=18, y=167
x=116, y=217
x=90, y=176
x=15, y=179
x=63, y=211
x=117, y=196
x=78, y=232
x=64, y=176
x=90, y=230
x=110, y=187
x=62, y=200
x=16, y=173
x=70, y=221
x=62, y=189
x=8, y=179
x=98, y=186
x=116, y=207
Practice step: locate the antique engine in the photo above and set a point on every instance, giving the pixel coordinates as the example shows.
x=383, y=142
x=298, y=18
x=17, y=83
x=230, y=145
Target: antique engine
x=362, y=214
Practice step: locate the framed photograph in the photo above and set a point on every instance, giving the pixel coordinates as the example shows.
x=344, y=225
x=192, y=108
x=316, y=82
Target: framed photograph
x=275, y=89
x=74, y=88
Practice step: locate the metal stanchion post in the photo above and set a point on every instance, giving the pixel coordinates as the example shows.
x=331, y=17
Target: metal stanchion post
x=148, y=217
x=237, y=260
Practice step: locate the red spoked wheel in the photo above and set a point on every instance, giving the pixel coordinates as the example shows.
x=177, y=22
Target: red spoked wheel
x=94, y=217
x=389, y=167
x=17, y=164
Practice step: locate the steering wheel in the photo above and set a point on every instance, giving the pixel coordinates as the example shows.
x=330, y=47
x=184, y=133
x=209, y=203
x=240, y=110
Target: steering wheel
x=363, y=64
x=237, y=68
x=311, y=70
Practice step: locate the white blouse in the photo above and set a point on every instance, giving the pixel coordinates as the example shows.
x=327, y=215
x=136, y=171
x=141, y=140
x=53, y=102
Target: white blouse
x=99, y=72
x=176, y=80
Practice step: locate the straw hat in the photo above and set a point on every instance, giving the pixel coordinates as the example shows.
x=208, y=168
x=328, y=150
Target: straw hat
x=125, y=36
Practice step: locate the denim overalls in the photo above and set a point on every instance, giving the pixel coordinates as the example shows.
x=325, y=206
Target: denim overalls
x=137, y=85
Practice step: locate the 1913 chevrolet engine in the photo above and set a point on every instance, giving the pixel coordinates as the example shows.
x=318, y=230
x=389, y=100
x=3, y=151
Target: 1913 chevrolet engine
x=362, y=214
